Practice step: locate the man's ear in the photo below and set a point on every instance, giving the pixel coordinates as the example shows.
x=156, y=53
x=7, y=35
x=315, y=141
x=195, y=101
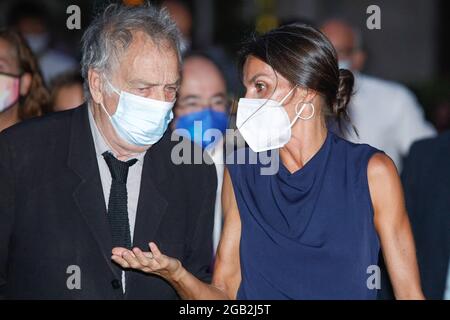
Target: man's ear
x=25, y=84
x=95, y=86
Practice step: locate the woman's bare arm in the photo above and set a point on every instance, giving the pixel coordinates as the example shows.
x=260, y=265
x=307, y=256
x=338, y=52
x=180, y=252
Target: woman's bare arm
x=393, y=227
x=227, y=271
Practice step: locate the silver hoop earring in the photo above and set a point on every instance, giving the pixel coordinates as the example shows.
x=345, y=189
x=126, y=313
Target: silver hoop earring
x=304, y=105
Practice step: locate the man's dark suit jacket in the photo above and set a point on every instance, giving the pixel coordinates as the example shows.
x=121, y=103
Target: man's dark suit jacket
x=426, y=180
x=53, y=214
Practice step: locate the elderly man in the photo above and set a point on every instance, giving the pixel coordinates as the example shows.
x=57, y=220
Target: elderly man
x=75, y=184
x=386, y=114
x=202, y=105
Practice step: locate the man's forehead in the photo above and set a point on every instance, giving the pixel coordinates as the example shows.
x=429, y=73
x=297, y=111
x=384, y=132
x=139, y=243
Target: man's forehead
x=143, y=46
x=200, y=66
x=203, y=87
x=201, y=74
x=150, y=60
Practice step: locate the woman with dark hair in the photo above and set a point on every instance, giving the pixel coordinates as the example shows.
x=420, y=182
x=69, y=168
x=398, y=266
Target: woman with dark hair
x=22, y=91
x=313, y=229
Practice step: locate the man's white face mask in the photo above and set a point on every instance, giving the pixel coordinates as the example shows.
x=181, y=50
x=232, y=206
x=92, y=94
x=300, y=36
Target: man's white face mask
x=140, y=121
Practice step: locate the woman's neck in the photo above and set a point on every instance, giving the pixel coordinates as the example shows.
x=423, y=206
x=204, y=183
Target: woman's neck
x=306, y=139
x=9, y=117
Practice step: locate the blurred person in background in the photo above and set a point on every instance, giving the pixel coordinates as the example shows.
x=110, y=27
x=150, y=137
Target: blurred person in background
x=426, y=182
x=182, y=16
x=31, y=19
x=441, y=114
x=386, y=114
x=67, y=91
x=202, y=99
x=22, y=91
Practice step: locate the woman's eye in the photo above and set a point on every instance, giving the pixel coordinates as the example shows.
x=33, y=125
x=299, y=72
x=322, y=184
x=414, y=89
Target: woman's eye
x=259, y=86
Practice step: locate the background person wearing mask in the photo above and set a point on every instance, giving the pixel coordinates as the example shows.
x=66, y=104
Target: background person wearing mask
x=22, y=92
x=182, y=16
x=203, y=99
x=75, y=184
x=385, y=114
x=67, y=91
x=32, y=21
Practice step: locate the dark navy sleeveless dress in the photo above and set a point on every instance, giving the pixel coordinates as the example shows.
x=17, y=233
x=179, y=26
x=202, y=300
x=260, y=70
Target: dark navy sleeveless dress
x=310, y=234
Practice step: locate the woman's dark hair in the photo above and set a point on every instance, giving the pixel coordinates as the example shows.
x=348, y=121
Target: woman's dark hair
x=37, y=99
x=305, y=57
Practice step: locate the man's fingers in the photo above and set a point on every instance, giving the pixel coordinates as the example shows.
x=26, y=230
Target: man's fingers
x=149, y=255
x=154, y=249
x=120, y=261
x=118, y=251
x=131, y=259
x=161, y=259
x=141, y=257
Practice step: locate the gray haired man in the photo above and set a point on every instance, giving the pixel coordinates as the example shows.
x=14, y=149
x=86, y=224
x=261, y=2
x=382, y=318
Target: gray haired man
x=75, y=184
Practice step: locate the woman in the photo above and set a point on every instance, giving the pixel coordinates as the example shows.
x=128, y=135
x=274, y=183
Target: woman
x=22, y=91
x=313, y=229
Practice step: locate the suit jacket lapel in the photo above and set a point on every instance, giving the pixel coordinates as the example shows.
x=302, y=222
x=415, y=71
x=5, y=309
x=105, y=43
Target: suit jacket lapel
x=89, y=193
x=152, y=206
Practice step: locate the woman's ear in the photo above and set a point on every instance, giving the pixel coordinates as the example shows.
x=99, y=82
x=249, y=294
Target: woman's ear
x=305, y=94
x=25, y=84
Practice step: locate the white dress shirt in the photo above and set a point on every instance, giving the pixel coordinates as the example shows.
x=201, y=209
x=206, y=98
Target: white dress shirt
x=216, y=154
x=133, y=179
x=387, y=116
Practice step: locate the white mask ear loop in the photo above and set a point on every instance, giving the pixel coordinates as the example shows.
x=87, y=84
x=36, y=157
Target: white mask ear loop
x=287, y=96
x=110, y=118
x=112, y=87
x=104, y=109
x=299, y=112
x=115, y=91
x=280, y=103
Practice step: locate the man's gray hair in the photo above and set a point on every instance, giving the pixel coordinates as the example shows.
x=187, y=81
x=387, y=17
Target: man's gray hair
x=110, y=34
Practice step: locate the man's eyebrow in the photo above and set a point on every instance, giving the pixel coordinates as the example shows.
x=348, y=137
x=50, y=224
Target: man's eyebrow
x=143, y=82
x=176, y=83
x=153, y=84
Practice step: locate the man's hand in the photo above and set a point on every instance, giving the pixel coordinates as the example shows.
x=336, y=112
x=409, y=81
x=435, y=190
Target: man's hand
x=150, y=262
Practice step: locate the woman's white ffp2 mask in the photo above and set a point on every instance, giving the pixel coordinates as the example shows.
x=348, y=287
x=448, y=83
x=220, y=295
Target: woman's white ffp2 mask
x=264, y=124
